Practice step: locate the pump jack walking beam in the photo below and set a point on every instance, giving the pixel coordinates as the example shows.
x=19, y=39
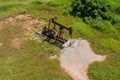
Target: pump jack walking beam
x=52, y=33
x=53, y=20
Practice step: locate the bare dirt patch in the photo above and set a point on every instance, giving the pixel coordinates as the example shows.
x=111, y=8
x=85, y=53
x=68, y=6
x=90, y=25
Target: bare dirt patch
x=53, y=57
x=75, y=59
x=1, y=27
x=24, y=21
x=27, y=24
x=21, y=16
x=16, y=43
x=1, y=45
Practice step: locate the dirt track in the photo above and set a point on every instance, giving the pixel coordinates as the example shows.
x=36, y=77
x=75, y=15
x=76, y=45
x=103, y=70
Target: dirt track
x=75, y=60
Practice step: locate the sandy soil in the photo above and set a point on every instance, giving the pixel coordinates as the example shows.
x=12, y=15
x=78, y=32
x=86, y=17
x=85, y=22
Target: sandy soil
x=1, y=45
x=26, y=23
x=16, y=43
x=75, y=59
x=1, y=27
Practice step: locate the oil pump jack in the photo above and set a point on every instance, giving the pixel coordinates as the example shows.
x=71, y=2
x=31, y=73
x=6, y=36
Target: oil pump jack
x=52, y=32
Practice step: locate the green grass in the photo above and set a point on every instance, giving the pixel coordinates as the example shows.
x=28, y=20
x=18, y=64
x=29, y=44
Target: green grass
x=114, y=3
x=32, y=61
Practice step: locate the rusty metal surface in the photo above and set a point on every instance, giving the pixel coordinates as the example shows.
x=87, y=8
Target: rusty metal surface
x=52, y=33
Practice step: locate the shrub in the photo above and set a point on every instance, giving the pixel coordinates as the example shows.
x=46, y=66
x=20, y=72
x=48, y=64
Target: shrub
x=97, y=13
x=116, y=19
x=91, y=8
x=36, y=2
x=118, y=10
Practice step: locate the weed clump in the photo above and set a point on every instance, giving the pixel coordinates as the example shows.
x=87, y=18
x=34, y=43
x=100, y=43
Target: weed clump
x=98, y=14
x=36, y=2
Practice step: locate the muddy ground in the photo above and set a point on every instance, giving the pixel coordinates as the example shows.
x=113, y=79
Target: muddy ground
x=76, y=58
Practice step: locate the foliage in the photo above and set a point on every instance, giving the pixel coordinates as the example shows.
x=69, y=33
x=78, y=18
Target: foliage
x=101, y=25
x=97, y=13
x=91, y=8
x=118, y=10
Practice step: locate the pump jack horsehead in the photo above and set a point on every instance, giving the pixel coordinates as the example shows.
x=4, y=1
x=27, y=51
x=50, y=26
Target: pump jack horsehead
x=52, y=33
